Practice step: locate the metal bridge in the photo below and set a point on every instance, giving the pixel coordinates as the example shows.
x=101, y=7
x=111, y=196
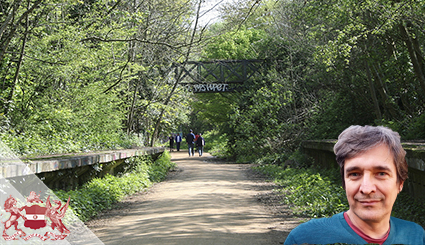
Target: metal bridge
x=217, y=76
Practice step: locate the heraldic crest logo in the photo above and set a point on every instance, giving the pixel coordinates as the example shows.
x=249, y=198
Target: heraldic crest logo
x=35, y=215
x=30, y=212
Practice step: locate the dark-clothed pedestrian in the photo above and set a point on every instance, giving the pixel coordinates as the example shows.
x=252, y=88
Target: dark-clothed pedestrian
x=171, y=138
x=178, y=140
x=200, y=142
x=190, y=140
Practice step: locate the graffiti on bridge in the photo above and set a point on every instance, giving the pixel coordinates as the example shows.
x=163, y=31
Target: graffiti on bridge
x=217, y=76
x=208, y=87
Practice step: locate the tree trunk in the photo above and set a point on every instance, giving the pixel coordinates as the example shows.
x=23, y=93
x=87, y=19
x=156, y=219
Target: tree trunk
x=373, y=93
x=383, y=91
x=130, y=115
x=18, y=67
x=179, y=74
x=9, y=17
x=131, y=58
x=14, y=28
x=415, y=55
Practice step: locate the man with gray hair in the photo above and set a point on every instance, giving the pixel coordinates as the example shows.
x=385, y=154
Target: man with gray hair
x=373, y=170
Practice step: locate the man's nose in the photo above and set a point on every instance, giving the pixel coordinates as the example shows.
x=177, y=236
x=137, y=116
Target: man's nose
x=367, y=186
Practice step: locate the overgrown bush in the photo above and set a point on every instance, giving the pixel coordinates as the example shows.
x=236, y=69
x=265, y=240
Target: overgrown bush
x=308, y=191
x=101, y=193
x=216, y=143
x=158, y=170
x=297, y=159
x=36, y=143
x=417, y=128
x=275, y=158
x=408, y=208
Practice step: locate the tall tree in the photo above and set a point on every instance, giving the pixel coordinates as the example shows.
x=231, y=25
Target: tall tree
x=118, y=53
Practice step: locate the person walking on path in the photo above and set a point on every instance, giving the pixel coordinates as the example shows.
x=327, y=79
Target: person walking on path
x=190, y=140
x=171, y=138
x=373, y=170
x=196, y=138
x=178, y=140
x=200, y=142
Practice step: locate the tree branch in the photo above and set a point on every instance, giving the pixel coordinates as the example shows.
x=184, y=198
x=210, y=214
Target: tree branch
x=98, y=39
x=119, y=80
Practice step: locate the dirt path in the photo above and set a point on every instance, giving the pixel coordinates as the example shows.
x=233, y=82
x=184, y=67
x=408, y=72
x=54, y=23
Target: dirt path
x=203, y=202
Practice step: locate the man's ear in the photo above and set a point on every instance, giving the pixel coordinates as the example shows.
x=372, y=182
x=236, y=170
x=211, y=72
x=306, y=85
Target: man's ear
x=400, y=186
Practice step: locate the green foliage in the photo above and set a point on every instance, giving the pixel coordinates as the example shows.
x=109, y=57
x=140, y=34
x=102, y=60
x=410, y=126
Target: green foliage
x=216, y=143
x=158, y=170
x=102, y=193
x=408, y=208
x=74, y=78
x=417, y=128
x=335, y=113
x=38, y=142
x=261, y=123
x=210, y=111
x=88, y=75
x=247, y=13
x=234, y=45
x=311, y=192
x=372, y=79
x=81, y=203
x=272, y=158
x=331, y=64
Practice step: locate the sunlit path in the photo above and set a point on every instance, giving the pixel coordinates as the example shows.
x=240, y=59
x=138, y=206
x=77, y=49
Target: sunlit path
x=203, y=202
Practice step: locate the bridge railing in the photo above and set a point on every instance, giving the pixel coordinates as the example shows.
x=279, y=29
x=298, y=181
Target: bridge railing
x=217, y=76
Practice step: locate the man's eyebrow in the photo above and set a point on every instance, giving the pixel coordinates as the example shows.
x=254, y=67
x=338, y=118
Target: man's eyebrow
x=351, y=169
x=383, y=168
x=380, y=167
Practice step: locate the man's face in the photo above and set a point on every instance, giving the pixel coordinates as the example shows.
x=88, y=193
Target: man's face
x=371, y=185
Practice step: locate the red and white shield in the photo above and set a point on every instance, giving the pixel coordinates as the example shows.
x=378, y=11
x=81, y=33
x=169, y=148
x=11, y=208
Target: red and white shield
x=35, y=217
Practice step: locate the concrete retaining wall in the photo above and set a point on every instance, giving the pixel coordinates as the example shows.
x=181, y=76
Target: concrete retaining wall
x=70, y=171
x=323, y=155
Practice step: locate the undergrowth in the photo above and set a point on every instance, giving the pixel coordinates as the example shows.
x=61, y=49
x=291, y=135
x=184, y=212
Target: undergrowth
x=408, y=208
x=32, y=144
x=101, y=193
x=318, y=193
x=308, y=191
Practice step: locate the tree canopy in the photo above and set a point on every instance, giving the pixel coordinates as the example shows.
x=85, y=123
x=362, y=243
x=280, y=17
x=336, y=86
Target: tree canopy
x=88, y=75
x=333, y=64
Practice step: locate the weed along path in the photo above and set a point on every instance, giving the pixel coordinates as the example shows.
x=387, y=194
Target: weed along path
x=203, y=201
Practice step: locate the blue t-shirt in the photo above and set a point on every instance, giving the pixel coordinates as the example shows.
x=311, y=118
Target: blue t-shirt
x=336, y=230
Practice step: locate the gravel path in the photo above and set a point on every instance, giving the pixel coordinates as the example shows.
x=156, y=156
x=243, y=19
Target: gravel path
x=204, y=201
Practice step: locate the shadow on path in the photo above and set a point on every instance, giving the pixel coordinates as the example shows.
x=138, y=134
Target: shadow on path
x=202, y=202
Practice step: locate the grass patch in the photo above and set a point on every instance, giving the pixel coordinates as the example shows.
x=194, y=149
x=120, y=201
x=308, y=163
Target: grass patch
x=308, y=191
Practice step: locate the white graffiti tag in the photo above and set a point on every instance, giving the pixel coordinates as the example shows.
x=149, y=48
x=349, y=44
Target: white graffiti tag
x=212, y=87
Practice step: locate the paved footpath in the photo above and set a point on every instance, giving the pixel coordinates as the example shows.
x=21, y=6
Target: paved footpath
x=202, y=202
